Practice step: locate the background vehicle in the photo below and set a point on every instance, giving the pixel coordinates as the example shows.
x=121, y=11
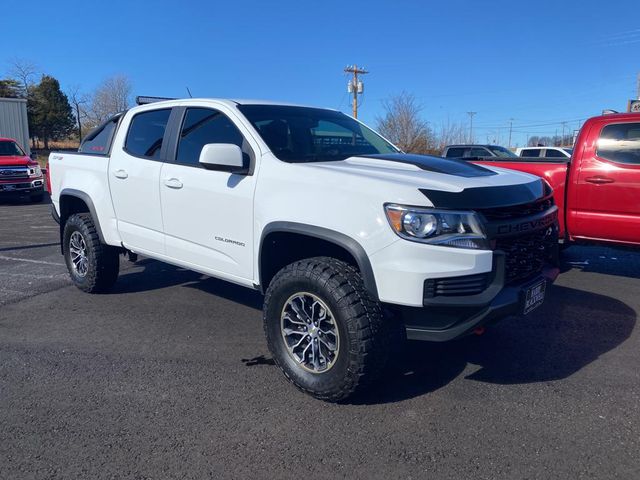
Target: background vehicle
x=354, y=244
x=544, y=152
x=20, y=176
x=598, y=189
x=476, y=151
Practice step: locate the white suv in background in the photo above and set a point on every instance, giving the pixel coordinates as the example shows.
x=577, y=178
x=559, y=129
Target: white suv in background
x=545, y=152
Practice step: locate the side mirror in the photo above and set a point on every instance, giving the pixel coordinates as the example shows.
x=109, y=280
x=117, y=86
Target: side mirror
x=224, y=157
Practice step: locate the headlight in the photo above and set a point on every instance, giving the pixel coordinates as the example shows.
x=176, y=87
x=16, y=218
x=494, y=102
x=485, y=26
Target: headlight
x=35, y=171
x=437, y=227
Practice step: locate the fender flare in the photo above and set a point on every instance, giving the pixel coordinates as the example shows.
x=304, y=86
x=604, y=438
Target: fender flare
x=337, y=238
x=72, y=192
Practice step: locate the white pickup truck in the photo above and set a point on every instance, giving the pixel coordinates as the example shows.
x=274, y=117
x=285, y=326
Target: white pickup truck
x=355, y=245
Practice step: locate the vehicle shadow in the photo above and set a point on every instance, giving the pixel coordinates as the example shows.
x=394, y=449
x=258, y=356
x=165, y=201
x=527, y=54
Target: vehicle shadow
x=620, y=261
x=25, y=201
x=570, y=331
x=155, y=275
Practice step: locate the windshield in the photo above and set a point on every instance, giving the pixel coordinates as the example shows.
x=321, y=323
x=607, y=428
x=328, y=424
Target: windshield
x=502, y=152
x=10, y=149
x=303, y=134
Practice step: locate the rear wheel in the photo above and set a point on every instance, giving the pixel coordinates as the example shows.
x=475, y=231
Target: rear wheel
x=93, y=266
x=324, y=330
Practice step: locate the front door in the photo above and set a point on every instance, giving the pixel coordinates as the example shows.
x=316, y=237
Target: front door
x=208, y=215
x=607, y=199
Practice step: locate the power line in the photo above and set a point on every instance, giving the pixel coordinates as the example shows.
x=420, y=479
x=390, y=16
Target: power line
x=355, y=86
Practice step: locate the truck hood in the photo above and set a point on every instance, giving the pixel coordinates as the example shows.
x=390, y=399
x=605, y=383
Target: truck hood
x=445, y=182
x=16, y=160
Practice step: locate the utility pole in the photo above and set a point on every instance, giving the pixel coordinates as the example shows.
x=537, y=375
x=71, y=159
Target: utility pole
x=355, y=86
x=510, y=130
x=564, y=124
x=471, y=114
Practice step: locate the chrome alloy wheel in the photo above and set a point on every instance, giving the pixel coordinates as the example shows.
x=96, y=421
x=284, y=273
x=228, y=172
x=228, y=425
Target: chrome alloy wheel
x=78, y=251
x=310, y=332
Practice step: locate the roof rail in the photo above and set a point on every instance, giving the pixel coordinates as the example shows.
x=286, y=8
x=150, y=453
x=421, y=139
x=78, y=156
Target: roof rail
x=142, y=100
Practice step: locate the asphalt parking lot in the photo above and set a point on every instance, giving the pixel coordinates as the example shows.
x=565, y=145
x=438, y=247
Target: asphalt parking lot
x=169, y=376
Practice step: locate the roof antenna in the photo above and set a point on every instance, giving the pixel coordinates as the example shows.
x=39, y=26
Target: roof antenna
x=189, y=92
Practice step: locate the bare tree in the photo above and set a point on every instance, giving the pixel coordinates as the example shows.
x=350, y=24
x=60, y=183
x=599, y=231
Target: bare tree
x=24, y=71
x=403, y=125
x=113, y=95
x=450, y=133
x=78, y=101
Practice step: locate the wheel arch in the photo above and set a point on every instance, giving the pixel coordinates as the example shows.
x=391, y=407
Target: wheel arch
x=320, y=241
x=76, y=201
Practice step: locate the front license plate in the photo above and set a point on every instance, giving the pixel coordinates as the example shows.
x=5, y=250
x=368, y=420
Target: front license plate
x=534, y=296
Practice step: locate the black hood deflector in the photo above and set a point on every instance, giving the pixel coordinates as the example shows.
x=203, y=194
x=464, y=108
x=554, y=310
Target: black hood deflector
x=487, y=197
x=448, y=166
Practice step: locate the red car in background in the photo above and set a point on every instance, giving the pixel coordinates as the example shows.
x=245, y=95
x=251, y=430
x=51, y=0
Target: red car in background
x=20, y=175
x=597, y=190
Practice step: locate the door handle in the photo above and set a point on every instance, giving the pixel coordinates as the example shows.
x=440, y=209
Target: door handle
x=120, y=174
x=173, y=183
x=599, y=180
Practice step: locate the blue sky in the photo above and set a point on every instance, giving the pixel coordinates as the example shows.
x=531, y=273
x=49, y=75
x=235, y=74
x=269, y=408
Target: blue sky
x=539, y=63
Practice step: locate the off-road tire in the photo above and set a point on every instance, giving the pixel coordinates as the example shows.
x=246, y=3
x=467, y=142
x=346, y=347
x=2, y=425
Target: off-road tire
x=103, y=260
x=366, y=337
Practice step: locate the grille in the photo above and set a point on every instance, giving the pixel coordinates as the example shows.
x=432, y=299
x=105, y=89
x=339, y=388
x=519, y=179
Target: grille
x=14, y=186
x=456, y=286
x=517, y=211
x=13, y=173
x=526, y=255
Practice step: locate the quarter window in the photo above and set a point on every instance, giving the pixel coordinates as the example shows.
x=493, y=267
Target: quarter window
x=620, y=143
x=530, y=152
x=98, y=141
x=554, y=154
x=202, y=126
x=146, y=132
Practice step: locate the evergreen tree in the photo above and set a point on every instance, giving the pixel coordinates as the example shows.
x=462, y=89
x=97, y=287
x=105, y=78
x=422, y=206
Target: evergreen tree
x=51, y=113
x=10, y=88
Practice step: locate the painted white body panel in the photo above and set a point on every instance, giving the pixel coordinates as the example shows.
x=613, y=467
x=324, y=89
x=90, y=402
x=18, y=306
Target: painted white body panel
x=214, y=222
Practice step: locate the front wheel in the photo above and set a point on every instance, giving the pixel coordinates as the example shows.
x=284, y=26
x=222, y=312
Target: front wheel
x=324, y=330
x=93, y=266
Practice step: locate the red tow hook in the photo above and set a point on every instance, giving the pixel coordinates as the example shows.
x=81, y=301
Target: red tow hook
x=479, y=331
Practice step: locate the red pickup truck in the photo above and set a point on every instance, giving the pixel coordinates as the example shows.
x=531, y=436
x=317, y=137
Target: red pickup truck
x=20, y=176
x=597, y=190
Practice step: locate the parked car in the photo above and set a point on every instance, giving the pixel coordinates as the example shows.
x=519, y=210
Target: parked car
x=20, y=175
x=598, y=189
x=354, y=244
x=476, y=151
x=544, y=152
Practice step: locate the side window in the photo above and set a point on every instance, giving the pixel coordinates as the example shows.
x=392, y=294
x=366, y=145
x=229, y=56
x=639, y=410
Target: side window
x=98, y=141
x=479, y=152
x=202, y=126
x=455, y=152
x=531, y=152
x=144, y=138
x=554, y=154
x=620, y=143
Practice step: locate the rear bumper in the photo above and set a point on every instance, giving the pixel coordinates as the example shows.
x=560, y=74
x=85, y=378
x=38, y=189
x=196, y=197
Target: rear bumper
x=453, y=317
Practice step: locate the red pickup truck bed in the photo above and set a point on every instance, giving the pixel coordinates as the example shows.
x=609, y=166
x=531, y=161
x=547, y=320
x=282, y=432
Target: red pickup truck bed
x=598, y=190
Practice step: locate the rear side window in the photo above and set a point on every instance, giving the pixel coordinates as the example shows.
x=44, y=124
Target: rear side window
x=144, y=138
x=531, y=152
x=620, y=143
x=554, y=154
x=98, y=141
x=455, y=152
x=202, y=126
x=479, y=152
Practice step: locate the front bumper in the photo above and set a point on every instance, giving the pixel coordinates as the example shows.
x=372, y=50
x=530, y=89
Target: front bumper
x=22, y=188
x=447, y=318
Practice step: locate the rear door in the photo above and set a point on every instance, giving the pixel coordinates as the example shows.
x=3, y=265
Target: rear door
x=134, y=176
x=607, y=193
x=207, y=214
